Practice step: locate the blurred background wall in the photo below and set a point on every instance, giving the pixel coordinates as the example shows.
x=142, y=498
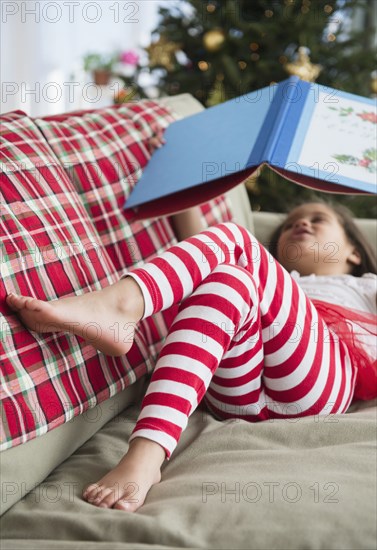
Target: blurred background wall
x=43, y=43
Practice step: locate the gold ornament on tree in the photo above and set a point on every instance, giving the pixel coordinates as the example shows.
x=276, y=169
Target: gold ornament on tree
x=213, y=40
x=303, y=67
x=162, y=53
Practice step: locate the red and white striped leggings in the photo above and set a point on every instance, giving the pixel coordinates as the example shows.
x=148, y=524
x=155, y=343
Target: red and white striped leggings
x=246, y=338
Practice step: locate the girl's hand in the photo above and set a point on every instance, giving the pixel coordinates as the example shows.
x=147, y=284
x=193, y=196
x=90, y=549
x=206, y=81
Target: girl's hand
x=156, y=142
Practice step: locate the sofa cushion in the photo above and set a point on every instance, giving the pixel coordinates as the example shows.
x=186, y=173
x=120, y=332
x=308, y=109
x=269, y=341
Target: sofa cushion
x=306, y=482
x=12, y=115
x=103, y=153
x=50, y=249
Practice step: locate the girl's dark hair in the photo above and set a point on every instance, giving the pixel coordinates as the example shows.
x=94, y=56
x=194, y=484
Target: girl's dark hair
x=368, y=262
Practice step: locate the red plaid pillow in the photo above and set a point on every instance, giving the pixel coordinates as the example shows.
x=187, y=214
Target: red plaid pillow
x=49, y=249
x=217, y=210
x=104, y=152
x=12, y=115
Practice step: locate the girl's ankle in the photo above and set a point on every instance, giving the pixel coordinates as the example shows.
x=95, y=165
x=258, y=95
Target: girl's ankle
x=142, y=448
x=130, y=298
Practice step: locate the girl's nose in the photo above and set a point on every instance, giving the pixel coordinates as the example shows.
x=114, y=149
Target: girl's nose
x=302, y=222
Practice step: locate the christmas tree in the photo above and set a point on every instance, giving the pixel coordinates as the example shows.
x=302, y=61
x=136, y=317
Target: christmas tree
x=220, y=49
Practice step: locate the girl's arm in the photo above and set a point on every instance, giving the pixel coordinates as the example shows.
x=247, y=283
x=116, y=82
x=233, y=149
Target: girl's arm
x=187, y=223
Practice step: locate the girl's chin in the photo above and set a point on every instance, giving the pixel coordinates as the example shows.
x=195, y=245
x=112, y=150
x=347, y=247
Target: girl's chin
x=300, y=247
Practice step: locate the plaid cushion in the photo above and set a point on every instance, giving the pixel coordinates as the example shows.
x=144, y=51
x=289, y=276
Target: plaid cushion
x=12, y=115
x=217, y=210
x=104, y=152
x=49, y=249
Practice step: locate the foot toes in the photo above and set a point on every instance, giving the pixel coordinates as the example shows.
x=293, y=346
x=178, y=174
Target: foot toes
x=92, y=492
x=111, y=497
x=13, y=302
x=101, y=496
x=126, y=506
x=32, y=304
x=130, y=500
x=106, y=499
x=17, y=302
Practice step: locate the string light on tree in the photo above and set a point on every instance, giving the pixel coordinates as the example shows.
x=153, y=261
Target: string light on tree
x=203, y=65
x=214, y=40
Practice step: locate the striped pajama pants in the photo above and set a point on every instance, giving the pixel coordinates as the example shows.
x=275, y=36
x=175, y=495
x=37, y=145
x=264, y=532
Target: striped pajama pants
x=246, y=338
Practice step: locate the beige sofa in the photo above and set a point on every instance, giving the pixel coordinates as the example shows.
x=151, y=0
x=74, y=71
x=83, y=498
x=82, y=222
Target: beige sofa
x=304, y=483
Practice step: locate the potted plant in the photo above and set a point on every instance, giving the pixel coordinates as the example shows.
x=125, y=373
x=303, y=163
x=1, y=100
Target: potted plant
x=101, y=66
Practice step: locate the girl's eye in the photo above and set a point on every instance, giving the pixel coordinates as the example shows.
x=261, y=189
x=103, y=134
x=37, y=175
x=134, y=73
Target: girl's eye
x=318, y=219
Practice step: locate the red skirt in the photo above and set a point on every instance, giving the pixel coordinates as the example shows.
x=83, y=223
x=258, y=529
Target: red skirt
x=353, y=328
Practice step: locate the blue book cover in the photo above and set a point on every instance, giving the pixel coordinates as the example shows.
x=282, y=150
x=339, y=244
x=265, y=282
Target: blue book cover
x=313, y=135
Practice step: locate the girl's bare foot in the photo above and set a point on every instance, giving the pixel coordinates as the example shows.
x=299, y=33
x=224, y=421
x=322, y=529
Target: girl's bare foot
x=105, y=318
x=126, y=486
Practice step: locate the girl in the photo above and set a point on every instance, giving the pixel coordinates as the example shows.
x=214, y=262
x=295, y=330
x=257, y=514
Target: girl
x=256, y=337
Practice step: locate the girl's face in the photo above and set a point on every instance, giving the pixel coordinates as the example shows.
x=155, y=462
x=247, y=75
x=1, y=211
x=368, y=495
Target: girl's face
x=313, y=241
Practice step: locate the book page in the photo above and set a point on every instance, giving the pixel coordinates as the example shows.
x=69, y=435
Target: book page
x=336, y=140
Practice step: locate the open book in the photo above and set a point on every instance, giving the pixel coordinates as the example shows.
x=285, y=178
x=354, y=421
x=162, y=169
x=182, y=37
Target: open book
x=310, y=134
